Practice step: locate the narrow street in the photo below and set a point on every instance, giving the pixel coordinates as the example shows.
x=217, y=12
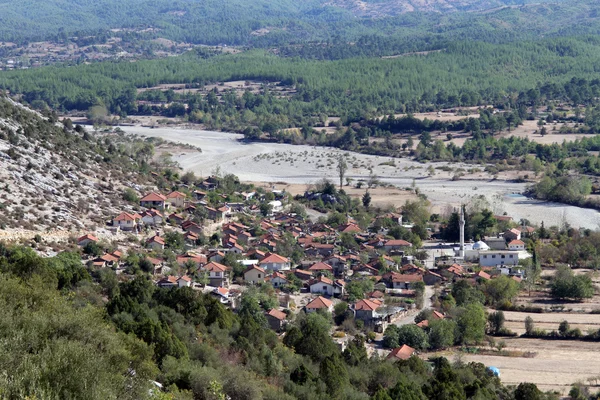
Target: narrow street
x=410, y=318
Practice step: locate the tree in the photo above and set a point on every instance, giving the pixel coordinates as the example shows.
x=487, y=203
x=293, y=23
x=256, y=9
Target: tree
x=441, y=333
x=500, y=290
x=174, y=240
x=471, y=323
x=342, y=167
x=528, y=391
x=366, y=199
x=565, y=285
x=334, y=374
x=564, y=328
x=413, y=336
x=496, y=322
x=265, y=209
x=529, y=328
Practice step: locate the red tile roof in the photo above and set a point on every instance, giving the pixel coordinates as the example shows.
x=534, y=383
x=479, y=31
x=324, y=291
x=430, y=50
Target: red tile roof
x=156, y=239
x=402, y=353
x=320, y=266
x=127, y=217
x=483, y=275
x=153, y=197
x=321, y=279
x=398, y=242
x=254, y=267
x=175, y=195
x=407, y=278
x=367, y=305
x=274, y=258
x=215, y=267
x=280, y=315
x=87, y=237
x=319, y=302
x=350, y=228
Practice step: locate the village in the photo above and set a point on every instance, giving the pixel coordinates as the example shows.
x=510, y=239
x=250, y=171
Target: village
x=260, y=241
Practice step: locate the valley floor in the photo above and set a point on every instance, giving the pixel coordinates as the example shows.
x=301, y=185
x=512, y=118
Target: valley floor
x=283, y=164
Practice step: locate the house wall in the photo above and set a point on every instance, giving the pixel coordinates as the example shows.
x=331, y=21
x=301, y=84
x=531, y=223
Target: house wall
x=322, y=288
x=494, y=259
x=274, y=323
x=254, y=276
x=276, y=266
x=277, y=282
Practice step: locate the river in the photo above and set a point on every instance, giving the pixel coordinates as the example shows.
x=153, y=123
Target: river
x=274, y=162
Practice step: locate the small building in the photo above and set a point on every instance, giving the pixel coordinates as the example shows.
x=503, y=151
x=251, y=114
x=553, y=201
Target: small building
x=156, y=243
x=184, y=281
x=319, y=303
x=322, y=285
x=278, y=280
x=126, y=221
x=432, y=278
x=495, y=243
x=396, y=244
x=404, y=281
x=512, y=234
x=167, y=282
x=276, y=319
x=494, y=258
x=320, y=267
x=517, y=245
x=152, y=217
x=254, y=275
x=86, y=239
x=177, y=199
x=339, y=287
x=401, y=353
x=366, y=310
x=154, y=200
x=218, y=274
x=275, y=262
x=214, y=214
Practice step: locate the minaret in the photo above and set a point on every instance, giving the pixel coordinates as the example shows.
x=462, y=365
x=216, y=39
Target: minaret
x=461, y=252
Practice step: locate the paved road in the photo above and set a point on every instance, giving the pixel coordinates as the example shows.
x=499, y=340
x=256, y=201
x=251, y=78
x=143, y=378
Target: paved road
x=410, y=319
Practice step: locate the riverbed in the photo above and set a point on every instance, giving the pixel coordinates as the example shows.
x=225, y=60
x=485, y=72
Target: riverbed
x=275, y=162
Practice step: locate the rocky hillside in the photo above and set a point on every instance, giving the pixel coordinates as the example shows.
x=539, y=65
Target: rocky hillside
x=57, y=177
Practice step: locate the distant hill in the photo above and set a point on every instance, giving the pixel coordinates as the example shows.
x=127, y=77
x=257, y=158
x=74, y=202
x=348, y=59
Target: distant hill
x=265, y=22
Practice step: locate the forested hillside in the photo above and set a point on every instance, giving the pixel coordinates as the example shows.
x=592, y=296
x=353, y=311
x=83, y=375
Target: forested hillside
x=462, y=74
x=265, y=23
x=71, y=334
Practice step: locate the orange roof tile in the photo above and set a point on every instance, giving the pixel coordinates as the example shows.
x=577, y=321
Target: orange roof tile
x=319, y=302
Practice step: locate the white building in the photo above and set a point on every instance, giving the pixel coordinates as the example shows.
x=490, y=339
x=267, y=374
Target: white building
x=497, y=258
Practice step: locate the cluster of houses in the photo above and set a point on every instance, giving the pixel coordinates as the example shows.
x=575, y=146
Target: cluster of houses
x=326, y=267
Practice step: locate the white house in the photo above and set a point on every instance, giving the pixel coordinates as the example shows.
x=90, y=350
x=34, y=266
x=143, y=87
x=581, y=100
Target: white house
x=126, y=221
x=322, y=285
x=184, y=281
x=320, y=303
x=156, y=243
x=517, y=245
x=275, y=262
x=177, y=199
x=278, y=280
x=254, y=274
x=494, y=258
x=152, y=217
x=218, y=274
